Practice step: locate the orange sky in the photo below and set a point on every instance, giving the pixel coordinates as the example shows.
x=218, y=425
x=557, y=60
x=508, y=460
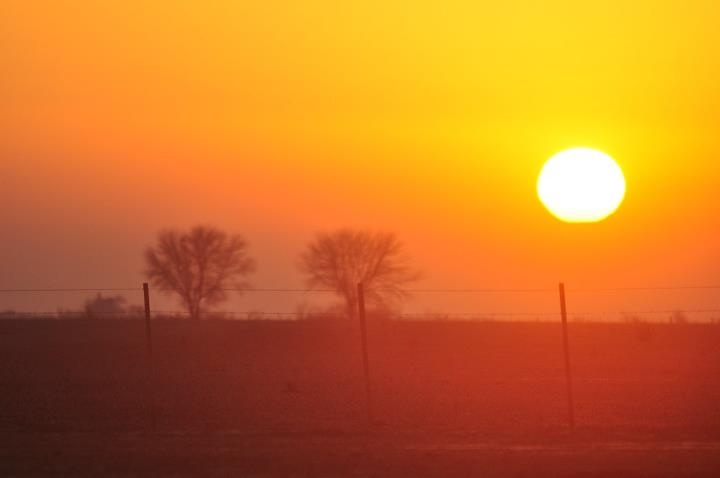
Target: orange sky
x=431, y=119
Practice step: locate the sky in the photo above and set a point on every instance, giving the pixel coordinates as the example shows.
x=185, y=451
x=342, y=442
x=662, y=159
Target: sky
x=278, y=119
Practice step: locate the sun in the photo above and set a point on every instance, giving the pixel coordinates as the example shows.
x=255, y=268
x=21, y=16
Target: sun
x=581, y=185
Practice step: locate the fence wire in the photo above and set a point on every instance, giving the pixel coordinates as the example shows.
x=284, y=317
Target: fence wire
x=539, y=303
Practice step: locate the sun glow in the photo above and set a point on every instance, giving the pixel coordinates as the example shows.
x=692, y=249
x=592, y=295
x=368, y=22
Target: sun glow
x=581, y=185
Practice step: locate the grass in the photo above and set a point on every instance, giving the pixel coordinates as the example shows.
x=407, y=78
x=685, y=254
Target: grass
x=274, y=398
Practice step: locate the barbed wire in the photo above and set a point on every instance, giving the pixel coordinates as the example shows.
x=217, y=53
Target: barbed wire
x=479, y=314
x=600, y=313
x=88, y=289
x=428, y=290
x=616, y=289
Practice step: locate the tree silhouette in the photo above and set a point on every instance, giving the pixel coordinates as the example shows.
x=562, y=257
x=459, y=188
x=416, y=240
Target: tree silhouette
x=100, y=306
x=341, y=259
x=198, y=265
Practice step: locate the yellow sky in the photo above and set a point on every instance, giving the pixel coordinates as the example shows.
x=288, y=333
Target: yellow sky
x=432, y=119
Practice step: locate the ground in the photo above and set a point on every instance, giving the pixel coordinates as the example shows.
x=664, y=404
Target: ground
x=287, y=399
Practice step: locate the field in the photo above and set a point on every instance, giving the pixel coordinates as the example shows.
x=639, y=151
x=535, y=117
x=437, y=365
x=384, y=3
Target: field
x=273, y=398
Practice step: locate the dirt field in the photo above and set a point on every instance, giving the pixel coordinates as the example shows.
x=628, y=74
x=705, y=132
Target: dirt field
x=287, y=399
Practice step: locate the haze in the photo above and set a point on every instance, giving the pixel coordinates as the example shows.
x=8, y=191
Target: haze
x=431, y=120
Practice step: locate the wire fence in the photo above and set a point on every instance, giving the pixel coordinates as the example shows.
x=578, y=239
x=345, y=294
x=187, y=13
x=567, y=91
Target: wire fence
x=671, y=303
x=435, y=368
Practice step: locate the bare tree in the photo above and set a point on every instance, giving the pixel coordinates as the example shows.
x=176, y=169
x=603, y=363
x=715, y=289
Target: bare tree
x=198, y=265
x=341, y=259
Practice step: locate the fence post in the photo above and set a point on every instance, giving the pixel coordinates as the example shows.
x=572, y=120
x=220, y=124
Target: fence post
x=151, y=371
x=566, y=349
x=363, y=342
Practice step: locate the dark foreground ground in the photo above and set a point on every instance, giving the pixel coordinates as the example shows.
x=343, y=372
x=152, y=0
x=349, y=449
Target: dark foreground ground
x=287, y=399
x=323, y=455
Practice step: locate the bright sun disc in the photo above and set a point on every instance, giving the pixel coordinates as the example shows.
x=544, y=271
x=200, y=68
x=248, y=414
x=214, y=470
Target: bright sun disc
x=581, y=185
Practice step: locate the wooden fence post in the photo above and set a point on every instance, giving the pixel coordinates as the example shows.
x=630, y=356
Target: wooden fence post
x=149, y=350
x=566, y=349
x=363, y=343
